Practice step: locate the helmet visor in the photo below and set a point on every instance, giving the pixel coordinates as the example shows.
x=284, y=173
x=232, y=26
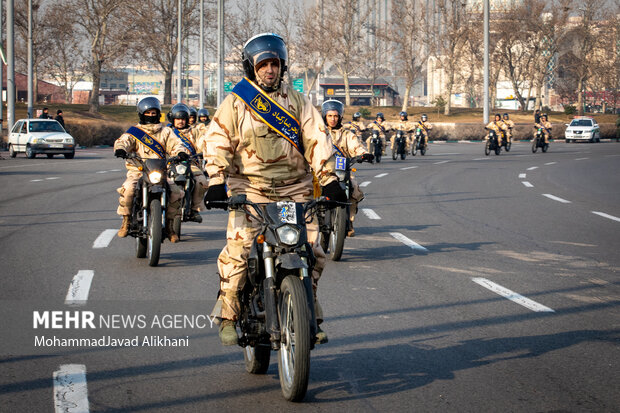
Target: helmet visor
x=265, y=46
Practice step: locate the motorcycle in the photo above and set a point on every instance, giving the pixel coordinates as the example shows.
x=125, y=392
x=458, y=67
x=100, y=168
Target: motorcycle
x=539, y=141
x=334, y=224
x=148, y=210
x=277, y=301
x=181, y=173
x=400, y=145
x=419, y=143
x=492, y=144
x=376, y=145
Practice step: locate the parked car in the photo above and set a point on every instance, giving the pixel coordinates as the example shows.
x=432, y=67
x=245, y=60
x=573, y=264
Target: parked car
x=35, y=136
x=583, y=128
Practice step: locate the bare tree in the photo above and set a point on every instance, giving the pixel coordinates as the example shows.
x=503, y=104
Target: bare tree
x=160, y=46
x=606, y=78
x=101, y=23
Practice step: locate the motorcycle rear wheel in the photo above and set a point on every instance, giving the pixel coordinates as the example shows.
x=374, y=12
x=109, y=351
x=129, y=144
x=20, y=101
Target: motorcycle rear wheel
x=545, y=147
x=508, y=146
x=257, y=358
x=339, y=219
x=414, y=147
x=498, y=149
x=294, y=353
x=155, y=233
x=176, y=225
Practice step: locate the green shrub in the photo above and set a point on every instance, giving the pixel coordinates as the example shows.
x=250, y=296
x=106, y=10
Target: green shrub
x=570, y=110
x=366, y=114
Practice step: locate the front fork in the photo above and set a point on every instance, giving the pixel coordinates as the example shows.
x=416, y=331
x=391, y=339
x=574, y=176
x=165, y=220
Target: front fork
x=145, y=206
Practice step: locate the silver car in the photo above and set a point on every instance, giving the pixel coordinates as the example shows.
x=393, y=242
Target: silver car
x=35, y=136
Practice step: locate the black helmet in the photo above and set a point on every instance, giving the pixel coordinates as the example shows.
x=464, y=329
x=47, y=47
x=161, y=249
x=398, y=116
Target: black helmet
x=498, y=115
x=424, y=117
x=545, y=116
x=178, y=111
x=193, y=112
x=380, y=115
x=147, y=104
x=357, y=116
x=203, y=112
x=332, y=104
x=262, y=47
x=505, y=116
x=404, y=114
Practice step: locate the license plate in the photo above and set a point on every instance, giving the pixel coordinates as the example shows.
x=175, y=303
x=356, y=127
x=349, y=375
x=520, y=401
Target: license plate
x=56, y=145
x=341, y=163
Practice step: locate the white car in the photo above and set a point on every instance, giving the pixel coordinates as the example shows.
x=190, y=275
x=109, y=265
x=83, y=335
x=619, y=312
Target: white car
x=34, y=136
x=583, y=128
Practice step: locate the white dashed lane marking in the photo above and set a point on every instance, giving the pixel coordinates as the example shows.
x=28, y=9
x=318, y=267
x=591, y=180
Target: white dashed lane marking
x=527, y=184
x=550, y=163
x=381, y=175
x=522, y=176
x=604, y=215
x=79, y=288
x=104, y=239
x=440, y=162
x=70, y=390
x=512, y=296
x=408, y=167
x=532, y=168
x=365, y=183
x=555, y=198
x=410, y=243
x=581, y=159
x=370, y=213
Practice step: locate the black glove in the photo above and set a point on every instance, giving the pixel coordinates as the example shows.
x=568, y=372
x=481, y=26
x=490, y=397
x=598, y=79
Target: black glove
x=183, y=156
x=120, y=153
x=368, y=157
x=216, y=193
x=334, y=192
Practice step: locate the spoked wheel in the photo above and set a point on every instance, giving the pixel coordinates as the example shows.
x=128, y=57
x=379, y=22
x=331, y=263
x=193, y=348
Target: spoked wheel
x=155, y=233
x=414, y=147
x=257, y=358
x=294, y=354
x=394, y=154
x=338, y=234
x=487, y=148
x=545, y=147
x=534, y=145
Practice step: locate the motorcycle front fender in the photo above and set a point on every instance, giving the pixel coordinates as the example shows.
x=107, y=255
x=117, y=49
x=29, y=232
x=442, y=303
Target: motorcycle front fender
x=156, y=189
x=290, y=261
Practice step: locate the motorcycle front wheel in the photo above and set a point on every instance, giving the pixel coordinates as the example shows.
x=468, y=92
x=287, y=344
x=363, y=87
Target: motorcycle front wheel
x=294, y=353
x=339, y=231
x=534, y=145
x=414, y=147
x=155, y=233
x=257, y=358
x=394, y=154
x=487, y=148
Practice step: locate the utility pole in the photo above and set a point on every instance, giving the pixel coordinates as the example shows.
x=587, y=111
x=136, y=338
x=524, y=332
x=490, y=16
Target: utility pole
x=30, y=100
x=202, y=54
x=10, y=57
x=180, y=54
x=1, y=74
x=220, y=51
x=485, y=116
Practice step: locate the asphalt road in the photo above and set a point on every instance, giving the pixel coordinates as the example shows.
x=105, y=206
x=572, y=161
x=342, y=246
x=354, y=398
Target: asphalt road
x=413, y=310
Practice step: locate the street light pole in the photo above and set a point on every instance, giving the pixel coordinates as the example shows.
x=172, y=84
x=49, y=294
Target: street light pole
x=202, y=54
x=30, y=100
x=10, y=58
x=220, y=51
x=486, y=62
x=180, y=54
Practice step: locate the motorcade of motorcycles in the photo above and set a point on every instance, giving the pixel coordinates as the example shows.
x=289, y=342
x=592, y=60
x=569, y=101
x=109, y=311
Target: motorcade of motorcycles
x=277, y=300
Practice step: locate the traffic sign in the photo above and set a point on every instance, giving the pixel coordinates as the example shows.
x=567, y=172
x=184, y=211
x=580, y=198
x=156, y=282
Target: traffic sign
x=298, y=85
x=228, y=87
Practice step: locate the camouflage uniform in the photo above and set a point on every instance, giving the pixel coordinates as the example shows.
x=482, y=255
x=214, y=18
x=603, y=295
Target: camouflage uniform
x=509, y=127
x=356, y=127
x=350, y=146
x=405, y=126
x=498, y=126
x=171, y=144
x=425, y=126
x=546, y=127
x=254, y=160
x=376, y=126
x=191, y=132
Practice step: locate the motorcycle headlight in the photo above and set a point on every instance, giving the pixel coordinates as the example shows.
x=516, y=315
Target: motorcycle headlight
x=155, y=177
x=180, y=169
x=288, y=234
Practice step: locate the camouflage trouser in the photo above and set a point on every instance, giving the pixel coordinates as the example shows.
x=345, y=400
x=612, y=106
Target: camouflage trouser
x=241, y=230
x=355, y=198
x=127, y=192
x=199, y=189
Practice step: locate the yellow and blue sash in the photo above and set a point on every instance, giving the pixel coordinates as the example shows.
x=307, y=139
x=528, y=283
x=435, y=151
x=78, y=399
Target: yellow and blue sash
x=147, y=140
x=380, y=126
x=357, y=128
x=186, y=141
x=270, y=112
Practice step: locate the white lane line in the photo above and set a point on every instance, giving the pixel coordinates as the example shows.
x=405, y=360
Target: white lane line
x=36, y=180
x=51, y=178
x=365, y=183
x=102, y=172
x=555, y=198
x=522, y=176
x=440, y=162
x=550, y=163
x=381, y=175
x=532, y=168
x=79, y=288
x=527, y=184
x=512, y=296
x=400, y=237
x=370, y=213
x=104, y=239
x=480, y=159
x=70, y=390
x=408, y=167
x=604, y=215
x=115, y=170
x=581, y=159
x=448, y=153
